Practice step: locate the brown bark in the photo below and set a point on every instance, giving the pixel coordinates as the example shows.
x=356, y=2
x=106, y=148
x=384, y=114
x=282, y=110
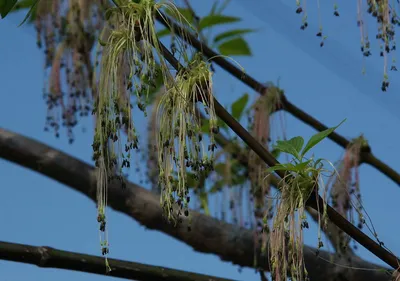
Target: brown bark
x=53, y=258
x=207, y=234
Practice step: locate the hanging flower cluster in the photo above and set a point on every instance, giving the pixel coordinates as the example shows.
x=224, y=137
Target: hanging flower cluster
x=345, y=192
x=384, y=12
x=66, y=30
x=131, y=61
x=180, y=140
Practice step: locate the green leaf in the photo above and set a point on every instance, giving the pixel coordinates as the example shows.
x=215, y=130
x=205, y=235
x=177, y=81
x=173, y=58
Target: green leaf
x=191, y=182
x=212, y=20
x=239, y=105
x=6, y=6
x=220, y=169
x=235, y=47
x=214, y=8
x=101, y=42
x=163, y=32
x=217, y=187
x=238, y=180
x=23, y=4
x=315, y=139
x=297, y=143
x=279, y=167
x=300, y=166
x=287, y=147
x=290, y=167
x=231, y=33
x=30, y=12
x=275, y=152
x=186, y=13
x=205, y=127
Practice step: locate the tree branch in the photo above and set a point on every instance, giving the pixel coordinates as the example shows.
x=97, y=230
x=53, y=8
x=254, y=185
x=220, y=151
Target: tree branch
x=49, y=257
x=208, y=235
x=315, y=200
x=366, y=154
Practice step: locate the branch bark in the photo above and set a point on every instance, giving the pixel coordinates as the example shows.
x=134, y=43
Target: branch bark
x=366, y=154
x=208, y=235
x=53, y=258
x=314, y=200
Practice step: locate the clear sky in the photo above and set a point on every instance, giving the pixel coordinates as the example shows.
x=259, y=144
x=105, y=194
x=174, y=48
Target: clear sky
x=326, y=82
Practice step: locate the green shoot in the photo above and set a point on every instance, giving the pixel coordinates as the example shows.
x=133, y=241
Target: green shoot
x=303, y=176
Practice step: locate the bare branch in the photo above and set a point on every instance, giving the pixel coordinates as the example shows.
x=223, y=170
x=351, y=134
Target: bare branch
x=52, y=258
x=208, y=235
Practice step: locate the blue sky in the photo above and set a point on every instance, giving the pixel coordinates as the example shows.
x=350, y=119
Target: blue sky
x=326, y=82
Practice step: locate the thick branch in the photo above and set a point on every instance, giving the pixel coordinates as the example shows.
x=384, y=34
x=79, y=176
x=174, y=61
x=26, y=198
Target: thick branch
x=208, y=235
x=53, y=258
x=366, y=154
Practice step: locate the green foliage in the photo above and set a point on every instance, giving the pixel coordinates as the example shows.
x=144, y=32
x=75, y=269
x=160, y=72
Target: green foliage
x=239, y=105
x=294, y=147
x=213, y=20
x=237, y=110
x=302, y=177
x=6, y=6
x=30, y=12
x=228, y=43
x=231, y=34
x=235, y=47
x=186, y=13
x=317, y=138
x=9, y=6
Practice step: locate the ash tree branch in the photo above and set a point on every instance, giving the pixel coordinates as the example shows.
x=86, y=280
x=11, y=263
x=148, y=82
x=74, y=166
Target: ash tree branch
x=208, y=235
x=366, y=154
x=315, y=201
x=53, y=258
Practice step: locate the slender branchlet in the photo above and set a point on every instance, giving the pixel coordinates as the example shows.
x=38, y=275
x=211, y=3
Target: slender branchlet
x=180, y=141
